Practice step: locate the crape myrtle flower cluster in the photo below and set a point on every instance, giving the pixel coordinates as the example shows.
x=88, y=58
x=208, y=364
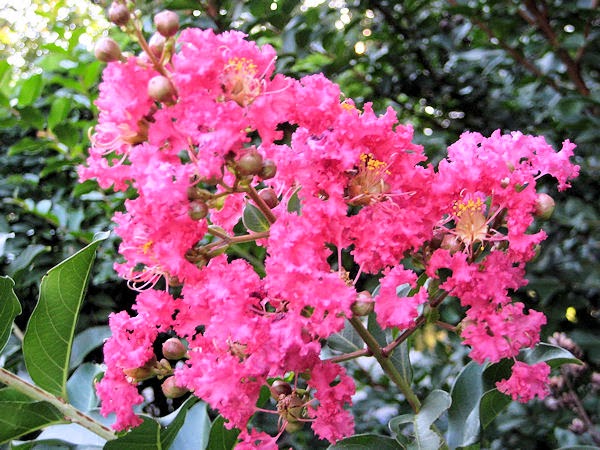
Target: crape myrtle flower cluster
x=201, y=129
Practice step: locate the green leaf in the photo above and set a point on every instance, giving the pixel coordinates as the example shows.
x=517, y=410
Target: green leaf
x=425, y=438
x=144, y=437
x=551, y=354
x=171, y=424
x=376, y=330
x=221, y=438
x=27, y=145
x=346, y=341
x=86, y=341
x=23, y=261
x=18, y=418
x=366, y=442
x=9, y=309
x=49, y=336
x=81, y=389
x=195, y=430
x=401, y=360
x=492, y=403
x=254, y=219
x=30, y=90
x=59, y=111
x=463, y=415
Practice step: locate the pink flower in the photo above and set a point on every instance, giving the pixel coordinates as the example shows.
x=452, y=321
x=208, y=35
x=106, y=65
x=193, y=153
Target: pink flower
x=119, y=396
x=393, y=310
x=526, y=382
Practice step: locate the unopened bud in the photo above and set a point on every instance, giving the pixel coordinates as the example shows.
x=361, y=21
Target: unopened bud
x=269, y=197
x=577, y=426
x=544, y=206
x=144, y=372
x=167, y=23
x=198, y=210
x=364, y=305
x=268, y=170
x=161, y=89
x=157, y=44
x=171, y=389
x=280, y=387
x=250, y=163
x=107, y=50
x=197, y=193
x=173, y=349
x=118, y=14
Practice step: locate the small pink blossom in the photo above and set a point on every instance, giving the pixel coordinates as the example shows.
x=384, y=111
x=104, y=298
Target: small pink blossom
x=526, y=382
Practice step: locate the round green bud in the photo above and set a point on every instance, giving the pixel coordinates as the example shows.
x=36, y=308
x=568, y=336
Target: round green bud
x=107, y=50
x=173, y=349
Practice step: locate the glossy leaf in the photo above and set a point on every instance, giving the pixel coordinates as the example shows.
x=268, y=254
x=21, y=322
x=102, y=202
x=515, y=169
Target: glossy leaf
x=49, y=336
x=144, y=437
x=221, y=438
x=366, y=442
x=195, y=430
x=9, y=309
x=463, y=414
x=254, y=219
x=58, y=111
x=551, y=354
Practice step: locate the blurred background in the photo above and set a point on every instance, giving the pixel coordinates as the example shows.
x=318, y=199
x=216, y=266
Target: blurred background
x=444, y=66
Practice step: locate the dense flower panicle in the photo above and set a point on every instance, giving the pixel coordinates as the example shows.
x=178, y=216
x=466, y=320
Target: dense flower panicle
x=343, y=182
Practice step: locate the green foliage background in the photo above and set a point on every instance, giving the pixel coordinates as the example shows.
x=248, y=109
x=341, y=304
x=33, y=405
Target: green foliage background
x=444, y=66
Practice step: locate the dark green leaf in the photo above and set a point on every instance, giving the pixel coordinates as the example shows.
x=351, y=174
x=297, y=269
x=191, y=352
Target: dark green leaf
x=18, y=418
x=31, y=90
x=492, y=403
x=9, y=309
x=463, y=415
x=27, y=145
x=366, y=442
x=221, y=438
x=401, y=360
x=254, y=219
x=144, y=437
x=51, y=328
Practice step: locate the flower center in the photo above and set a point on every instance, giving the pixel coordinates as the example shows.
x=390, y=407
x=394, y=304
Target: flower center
x=240, y=81
x=368, y=184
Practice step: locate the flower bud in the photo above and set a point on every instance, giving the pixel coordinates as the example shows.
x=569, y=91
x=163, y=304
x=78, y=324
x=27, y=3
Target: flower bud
x=364, y=305
x=161, y=89
x=157, y=44
x=269, y=197
x=118, y=14
x=144, y=372
x=268, y=170
x=577, y=426
x=107, y=50
x=198, y=210
x=171, y=389
x=280, y=387
x=173, y=349
x=197, y=193
x=250, y=163
x=167, y=23
x=544, y=206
